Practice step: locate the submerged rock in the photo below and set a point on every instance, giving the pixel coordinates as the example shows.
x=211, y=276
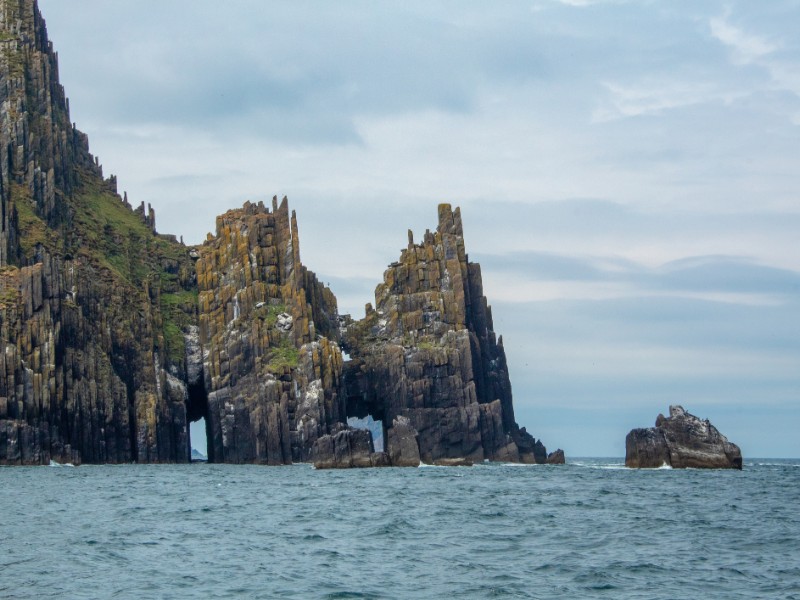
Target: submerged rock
x=453, y=462
x=681, y=441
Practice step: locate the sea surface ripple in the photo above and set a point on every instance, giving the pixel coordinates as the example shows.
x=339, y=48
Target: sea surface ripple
x=591, y=529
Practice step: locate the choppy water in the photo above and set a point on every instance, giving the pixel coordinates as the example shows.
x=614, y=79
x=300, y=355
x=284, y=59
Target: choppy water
x=591, y=529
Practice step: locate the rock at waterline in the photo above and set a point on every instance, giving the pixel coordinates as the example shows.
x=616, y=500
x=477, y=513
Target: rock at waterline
x=681, y=441
x=556, y=458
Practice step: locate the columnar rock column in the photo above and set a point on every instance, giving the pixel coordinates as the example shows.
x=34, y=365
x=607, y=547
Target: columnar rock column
x=427, y=352
x=273, y=380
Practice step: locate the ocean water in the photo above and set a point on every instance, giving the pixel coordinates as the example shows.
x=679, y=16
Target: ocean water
x=590, y=529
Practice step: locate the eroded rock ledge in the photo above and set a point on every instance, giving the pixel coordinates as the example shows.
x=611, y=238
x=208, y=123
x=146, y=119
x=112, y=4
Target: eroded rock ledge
x=681, y=441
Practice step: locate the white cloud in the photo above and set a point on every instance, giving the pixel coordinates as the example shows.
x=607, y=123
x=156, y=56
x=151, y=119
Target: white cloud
x=655, y=97
x=747, y=48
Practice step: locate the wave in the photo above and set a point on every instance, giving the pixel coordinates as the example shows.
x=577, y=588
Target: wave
x=59, y=465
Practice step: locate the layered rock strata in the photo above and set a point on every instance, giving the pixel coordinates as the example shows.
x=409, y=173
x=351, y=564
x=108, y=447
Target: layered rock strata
x=681, y=441
x=427, y=354
x=274, y=381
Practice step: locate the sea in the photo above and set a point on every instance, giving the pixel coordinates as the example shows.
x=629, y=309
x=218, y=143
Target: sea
x=589, y=529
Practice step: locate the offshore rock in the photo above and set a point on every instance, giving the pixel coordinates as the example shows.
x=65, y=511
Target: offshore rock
x=556, y=458
x=427, y=353
x=347, y=449
x=402, y=444
x=681, y=441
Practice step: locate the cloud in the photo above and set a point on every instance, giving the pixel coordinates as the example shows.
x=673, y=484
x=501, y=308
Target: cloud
x=773, y=56
x=655, y=97
x=621, y=361
x=748, y=48
x=534, y=276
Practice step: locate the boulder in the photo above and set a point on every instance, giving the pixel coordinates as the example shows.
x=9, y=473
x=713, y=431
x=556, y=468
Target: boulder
x=347, y=449
x=681, y=441
x=402, y=445
x=556, y=458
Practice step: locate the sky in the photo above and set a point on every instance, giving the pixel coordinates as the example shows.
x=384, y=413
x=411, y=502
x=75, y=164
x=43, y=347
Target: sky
x=627, y=173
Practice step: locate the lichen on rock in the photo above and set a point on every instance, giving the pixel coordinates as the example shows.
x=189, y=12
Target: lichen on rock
x=273, y=379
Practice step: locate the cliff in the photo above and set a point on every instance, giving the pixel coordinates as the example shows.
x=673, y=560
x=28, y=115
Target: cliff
x=116, y=337
x=273, y=379
x=91, y=295
x=427, y=352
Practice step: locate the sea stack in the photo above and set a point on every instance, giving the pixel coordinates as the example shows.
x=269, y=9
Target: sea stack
x=681, y=441
x=115, y=337
x=426, y=359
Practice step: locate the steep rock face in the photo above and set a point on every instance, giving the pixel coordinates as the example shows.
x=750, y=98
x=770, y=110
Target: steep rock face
x=427, y=353
x=115, y=337
x=273, y=380
x=681, y=441
x=42, y=154
x=91, y=296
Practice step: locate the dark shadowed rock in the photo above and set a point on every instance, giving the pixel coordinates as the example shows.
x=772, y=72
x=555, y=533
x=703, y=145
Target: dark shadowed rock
x=681, y=441
x=402, y=446
x=347, y=449
x=453, y=462
x=556, y=458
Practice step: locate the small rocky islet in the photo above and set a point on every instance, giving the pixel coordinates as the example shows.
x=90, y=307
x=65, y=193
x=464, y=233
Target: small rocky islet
x=681, y=441
x=116, y=336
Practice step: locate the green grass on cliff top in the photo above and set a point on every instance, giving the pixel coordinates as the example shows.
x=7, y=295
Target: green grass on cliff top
x=283, y=357
x=116, y=236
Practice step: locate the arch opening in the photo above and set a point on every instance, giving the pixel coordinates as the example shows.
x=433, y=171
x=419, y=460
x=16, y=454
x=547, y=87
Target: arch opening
x=372, y=425
x=198, y=441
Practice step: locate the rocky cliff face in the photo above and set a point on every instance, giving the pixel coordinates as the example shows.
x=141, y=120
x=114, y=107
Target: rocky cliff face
x=115, y=337
x=274, y=381
x=681, y=441
x=90, y=294
x=427, y=353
